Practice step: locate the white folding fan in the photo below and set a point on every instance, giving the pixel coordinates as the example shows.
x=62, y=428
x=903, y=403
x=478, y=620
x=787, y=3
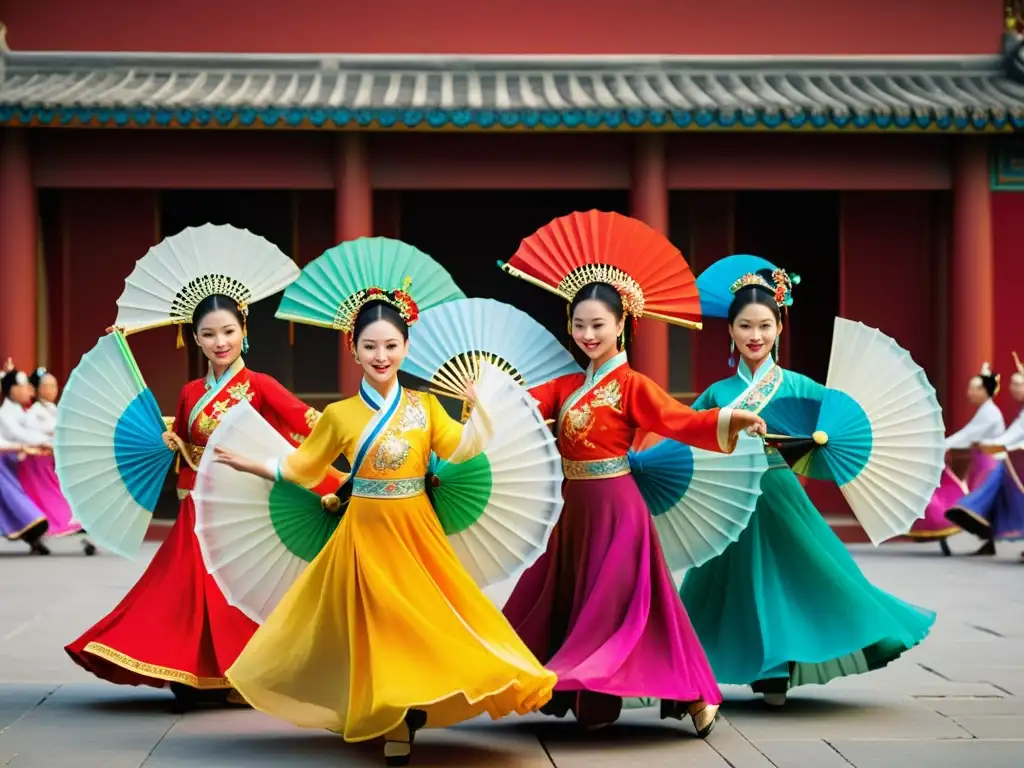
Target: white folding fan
x=182, y=270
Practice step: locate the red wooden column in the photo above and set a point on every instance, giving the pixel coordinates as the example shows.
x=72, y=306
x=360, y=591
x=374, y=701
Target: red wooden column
x=971, y=290
x=18, y=249
x=353, y=217
x=649, y=203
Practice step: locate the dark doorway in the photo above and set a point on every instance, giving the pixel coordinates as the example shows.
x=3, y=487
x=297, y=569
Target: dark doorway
x=468, y=232
x=798, y=231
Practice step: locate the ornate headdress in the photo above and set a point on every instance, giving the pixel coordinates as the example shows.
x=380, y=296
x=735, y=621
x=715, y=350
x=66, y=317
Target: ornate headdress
x=400, y=299
x=780, y=286
x=649, y=273
x=178, y=273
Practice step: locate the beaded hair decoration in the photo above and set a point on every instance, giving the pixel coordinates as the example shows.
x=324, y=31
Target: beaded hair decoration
x=400, y=299
x=781, y=286
x=628, y=289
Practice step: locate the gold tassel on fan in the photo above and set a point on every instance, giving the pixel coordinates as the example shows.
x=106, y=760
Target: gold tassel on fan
x=180, y=343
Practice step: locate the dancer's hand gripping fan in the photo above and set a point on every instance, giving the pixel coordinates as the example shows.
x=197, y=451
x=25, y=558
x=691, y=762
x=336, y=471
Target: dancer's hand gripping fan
x=498, y=506
x=108, y=447
x=875, y=430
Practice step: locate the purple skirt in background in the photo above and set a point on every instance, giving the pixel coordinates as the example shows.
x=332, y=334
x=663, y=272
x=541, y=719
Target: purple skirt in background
x=19, y=515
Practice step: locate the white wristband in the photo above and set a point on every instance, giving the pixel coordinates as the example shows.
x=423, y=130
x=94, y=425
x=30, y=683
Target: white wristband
x=273, y=467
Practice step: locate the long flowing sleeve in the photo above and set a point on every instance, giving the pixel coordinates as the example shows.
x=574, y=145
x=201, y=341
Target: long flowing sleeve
x=310, y=463
x=547, y=397
x=1014, y=435
x=286, y=413
x=180, y=427
x=654, y=410
x=987, y=422
x=16, y=430
x=453, y=441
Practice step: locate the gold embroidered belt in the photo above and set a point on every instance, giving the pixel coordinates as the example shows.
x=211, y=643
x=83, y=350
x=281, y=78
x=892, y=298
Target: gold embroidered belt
x=598, y=469
x=401, y=488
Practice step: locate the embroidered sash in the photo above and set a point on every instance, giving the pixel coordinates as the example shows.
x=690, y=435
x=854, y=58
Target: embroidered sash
x=760, y=390
x=593, y=378
x=214, y=388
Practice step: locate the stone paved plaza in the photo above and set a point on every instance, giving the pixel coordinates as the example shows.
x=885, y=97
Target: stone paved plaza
x=956, y=700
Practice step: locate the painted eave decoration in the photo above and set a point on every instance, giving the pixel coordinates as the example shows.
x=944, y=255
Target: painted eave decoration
x=1008, y=165
x=502, y=93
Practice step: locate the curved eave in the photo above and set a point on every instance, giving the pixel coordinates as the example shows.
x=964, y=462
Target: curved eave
x=509, y=93
x=456, y=120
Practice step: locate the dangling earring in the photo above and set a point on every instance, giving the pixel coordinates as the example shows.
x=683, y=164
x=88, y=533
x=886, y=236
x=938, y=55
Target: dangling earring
x=245, y=341
x=622, y=338
x=775, y=348
x=732, y=353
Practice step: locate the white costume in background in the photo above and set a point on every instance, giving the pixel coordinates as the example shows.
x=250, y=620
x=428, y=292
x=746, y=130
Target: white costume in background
x=986, y=424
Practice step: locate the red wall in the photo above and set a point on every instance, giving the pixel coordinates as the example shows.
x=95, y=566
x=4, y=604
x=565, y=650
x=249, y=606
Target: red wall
x=406, y=161
x=525, y=26
x=888, y=268
x=1007, y=230
x=98, y=262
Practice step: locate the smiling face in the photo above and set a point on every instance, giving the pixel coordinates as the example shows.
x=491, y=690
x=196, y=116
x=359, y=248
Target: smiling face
x=219, y=335
x=754, y=330
x=595, y=329
x=380, y=350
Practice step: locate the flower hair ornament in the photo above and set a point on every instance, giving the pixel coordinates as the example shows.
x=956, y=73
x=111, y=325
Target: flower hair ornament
x=400, y=299
x=781, y=286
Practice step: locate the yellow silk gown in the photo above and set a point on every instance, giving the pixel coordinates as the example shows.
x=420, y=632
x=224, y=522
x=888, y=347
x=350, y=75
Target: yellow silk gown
x=385, y=619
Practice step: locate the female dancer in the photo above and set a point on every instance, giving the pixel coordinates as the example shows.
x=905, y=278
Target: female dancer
x=20, y=518
x=175, y=626
x=36, y=472
x=42, y=415
x=986, y=424
x=384, y=632
x=599, y=607
x=994, y=509
x=785, y=604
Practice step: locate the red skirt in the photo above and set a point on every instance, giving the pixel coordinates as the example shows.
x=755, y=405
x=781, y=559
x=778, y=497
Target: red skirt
x=173, y=626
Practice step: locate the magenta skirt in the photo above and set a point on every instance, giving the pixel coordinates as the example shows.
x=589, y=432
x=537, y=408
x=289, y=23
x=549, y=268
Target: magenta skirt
x=599, y=607
x=39, y=479
x=934, y=524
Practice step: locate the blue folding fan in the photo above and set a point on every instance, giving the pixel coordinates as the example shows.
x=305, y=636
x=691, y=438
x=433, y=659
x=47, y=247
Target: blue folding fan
x=875, y=430
x=701, y=500
x=714, y=282
x=108, y=447
x=450, y=341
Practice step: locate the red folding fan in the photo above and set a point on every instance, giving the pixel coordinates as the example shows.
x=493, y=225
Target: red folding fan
x=598, y=246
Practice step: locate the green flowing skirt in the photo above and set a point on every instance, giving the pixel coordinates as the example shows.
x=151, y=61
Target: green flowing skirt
x=786, y=604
